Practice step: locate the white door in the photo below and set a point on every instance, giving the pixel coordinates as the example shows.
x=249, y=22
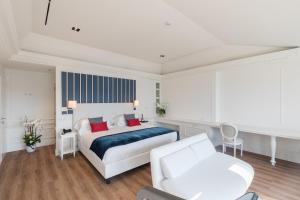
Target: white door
x=1, y=123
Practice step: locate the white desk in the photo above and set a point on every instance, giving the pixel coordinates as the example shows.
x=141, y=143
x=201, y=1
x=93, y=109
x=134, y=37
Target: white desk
x=272, y=132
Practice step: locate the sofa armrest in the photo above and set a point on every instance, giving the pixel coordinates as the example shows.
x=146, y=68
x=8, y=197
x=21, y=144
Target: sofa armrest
x=249, y=196
x=150, y=193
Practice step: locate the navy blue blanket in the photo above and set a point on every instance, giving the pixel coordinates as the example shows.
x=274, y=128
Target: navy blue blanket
x=102, y=144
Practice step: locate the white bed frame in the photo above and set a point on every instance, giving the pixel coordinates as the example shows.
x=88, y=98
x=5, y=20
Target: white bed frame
x=108, y=170
x=115, y=168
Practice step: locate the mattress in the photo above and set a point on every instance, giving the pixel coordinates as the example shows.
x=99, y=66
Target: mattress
x=130, y=150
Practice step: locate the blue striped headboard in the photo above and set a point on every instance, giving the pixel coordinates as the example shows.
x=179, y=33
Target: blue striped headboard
x=85, y=88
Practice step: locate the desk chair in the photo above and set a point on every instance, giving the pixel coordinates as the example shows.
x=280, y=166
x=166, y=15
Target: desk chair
x=230, y=137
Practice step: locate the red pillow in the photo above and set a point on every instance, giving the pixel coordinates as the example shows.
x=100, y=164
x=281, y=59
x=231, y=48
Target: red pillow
x=133, y=122
x=99, y=126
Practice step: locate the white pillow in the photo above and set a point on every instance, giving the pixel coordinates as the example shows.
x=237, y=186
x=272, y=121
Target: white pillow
x=203, y=149
x=119, y=120
x=83, y=126
x=178, y=163
x=109, y=123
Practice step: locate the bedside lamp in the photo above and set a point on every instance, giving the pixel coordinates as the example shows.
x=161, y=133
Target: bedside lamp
x=136, y=103
x=72, y=104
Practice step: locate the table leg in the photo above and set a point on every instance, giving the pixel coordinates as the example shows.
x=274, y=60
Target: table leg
x=273, y=150
x=62, y=149
x=74, y=148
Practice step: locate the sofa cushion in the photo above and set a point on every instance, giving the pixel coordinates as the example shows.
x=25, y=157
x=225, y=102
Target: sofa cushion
x=178, y=163
x=219, y=177
x=203, y=149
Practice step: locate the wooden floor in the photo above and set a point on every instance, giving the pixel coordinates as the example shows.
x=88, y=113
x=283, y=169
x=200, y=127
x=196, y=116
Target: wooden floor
x=43, y=176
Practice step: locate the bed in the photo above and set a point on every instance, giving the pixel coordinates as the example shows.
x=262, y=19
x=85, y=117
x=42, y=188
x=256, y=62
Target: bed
x=119, y=159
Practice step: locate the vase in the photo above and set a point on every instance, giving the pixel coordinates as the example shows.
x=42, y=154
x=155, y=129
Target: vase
x=162, y=115
x=30, y=149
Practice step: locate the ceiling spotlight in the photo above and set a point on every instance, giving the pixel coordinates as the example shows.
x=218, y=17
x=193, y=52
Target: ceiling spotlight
x=162, y=56
x=75, y=29
x=168, y=23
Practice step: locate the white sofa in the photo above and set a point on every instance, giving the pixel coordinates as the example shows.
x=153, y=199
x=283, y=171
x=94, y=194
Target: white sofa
x=192, y=169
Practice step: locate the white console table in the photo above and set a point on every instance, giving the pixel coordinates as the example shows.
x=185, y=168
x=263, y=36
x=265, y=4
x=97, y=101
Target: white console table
x=272, y=132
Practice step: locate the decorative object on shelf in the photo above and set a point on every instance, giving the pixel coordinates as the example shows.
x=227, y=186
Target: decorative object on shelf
x=143, y=120
x=30, y=137
x=72, y=104
x=136, y=103
x=161, y=110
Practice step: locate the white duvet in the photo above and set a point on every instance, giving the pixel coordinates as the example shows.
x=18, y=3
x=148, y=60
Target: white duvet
x=124, y=151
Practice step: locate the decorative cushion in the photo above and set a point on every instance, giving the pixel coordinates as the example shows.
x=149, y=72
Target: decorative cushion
x=96, y=119
x=203, y=149
x=133, y=122
x=99, y=126
x=178, y=163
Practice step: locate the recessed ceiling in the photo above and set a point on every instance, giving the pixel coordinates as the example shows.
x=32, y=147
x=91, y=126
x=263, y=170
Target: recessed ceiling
x=131, y=27
x=29, y=67
x=216, y=55
x=255, y=22
x=134, y=33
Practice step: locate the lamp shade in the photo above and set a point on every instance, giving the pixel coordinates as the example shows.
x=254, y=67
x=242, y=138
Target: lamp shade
x=72, y=104
x=136, y=103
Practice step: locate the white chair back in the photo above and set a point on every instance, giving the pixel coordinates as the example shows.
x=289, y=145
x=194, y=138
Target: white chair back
x=229, y=132
x=159, y=152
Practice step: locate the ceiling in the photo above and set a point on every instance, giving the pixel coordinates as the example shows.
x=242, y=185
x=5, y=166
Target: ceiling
x=255, y=22
x=130, y=27
x=134, y=33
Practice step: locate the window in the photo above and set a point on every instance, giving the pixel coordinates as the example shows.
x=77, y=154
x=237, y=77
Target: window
x=157, y=93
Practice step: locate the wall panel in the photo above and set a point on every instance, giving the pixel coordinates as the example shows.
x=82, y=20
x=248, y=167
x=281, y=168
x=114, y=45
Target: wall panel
x=96, y=89
x=77, y=87
x=250, y=94
x=101, y=89
x=83, y=88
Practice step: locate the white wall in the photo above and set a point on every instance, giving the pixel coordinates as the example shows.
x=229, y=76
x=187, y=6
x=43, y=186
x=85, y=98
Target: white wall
x=145, y=94
x=190, y=97
x=31, y=94
x=250, y=94
x=2, y=138
x=258, y=91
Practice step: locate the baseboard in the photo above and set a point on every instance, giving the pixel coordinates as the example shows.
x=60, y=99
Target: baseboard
x=2, y=158
x=20, y=145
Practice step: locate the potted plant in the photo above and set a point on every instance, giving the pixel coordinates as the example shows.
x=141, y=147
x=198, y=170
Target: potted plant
x=30, y=141
x=30, y=137
x=161, y=110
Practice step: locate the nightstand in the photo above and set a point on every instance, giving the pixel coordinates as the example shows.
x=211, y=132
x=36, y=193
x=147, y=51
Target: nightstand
x=71, y=136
